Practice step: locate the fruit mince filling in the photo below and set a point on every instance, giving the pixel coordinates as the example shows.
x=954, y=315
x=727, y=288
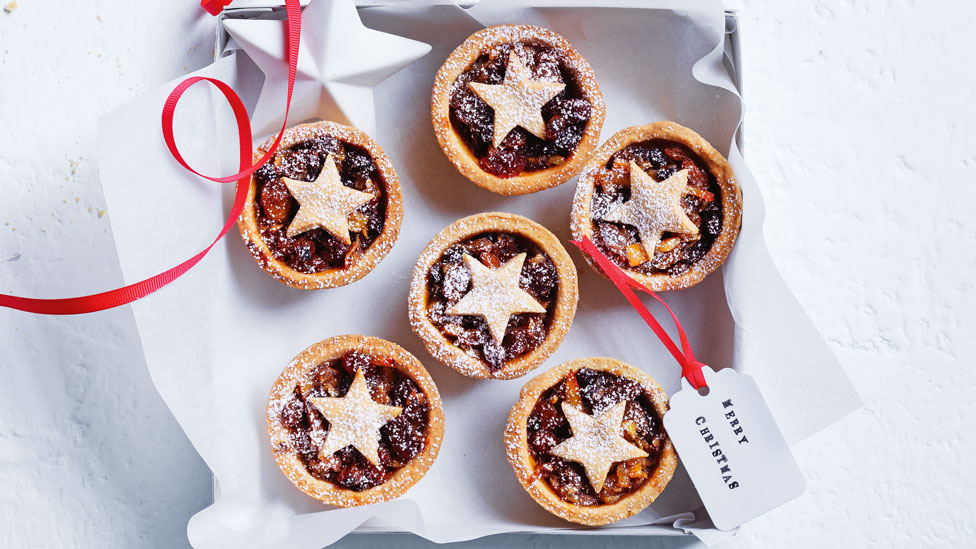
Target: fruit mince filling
x=675, y=253
x=402, y=439
x=594, y=391
x=316, y=250
x=449, y=280
x=565, y=115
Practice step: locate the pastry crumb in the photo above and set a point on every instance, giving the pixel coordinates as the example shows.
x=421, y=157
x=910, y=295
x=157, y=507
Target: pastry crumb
x=11, y=6
x=101, y=213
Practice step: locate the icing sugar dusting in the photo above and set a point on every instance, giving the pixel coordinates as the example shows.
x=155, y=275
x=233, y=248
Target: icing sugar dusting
x=562, y=309
x=354, y=419
x=596, y=443
x=286, y=454
x=517, y=445
x=358, y=264
x=495, y=295
x=324, y=203
x=464, y=56
x=654, y=208
x=583, y=212
x=518, y=100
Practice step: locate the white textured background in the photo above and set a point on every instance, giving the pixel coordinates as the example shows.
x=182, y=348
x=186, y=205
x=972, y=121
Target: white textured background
x=860, y=130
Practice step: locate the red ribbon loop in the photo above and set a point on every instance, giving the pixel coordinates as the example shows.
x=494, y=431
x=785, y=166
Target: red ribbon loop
x=132, y=292
x=690, y=366
x=169, y=108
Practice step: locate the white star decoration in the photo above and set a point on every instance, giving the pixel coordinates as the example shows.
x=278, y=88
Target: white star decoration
x=324, y=203
x=339, y=63
x=354, y=419
x=495, y=295
x=654, y=208
x=518, y=100
x=596, y=443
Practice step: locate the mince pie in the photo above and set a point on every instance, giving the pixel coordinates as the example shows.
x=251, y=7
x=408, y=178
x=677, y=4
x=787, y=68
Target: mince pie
x=493, y=295
x=661, y=203
x=325, y=210
x=586, y=440
x=355, y=420
x=517, y=109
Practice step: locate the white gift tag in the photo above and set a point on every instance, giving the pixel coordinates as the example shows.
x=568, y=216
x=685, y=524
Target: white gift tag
x=732, y=448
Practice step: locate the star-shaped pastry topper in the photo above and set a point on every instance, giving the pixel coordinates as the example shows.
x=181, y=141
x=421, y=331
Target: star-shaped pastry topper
x=495, y=295
x=654, y=208
x=354, y=419
x=518, y=100
x=324, y=203
x=596, y=443
x=340, y=61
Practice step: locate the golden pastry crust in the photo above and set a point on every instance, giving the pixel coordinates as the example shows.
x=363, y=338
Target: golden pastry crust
x=563, y=311
x=517, y=447
x=360, y=264
x=286, y=456
x=456, y=150
x=581, y=218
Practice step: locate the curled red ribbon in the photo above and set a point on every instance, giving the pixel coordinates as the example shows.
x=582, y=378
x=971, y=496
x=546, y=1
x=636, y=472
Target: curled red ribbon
x=690, y=367
x=132, y=292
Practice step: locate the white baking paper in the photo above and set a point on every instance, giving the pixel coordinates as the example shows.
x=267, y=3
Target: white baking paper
x=216, y=339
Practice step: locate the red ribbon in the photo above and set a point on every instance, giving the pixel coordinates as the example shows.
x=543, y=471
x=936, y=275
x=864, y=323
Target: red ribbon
x=132, y=292
x=690, y=367
x=214, y=7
